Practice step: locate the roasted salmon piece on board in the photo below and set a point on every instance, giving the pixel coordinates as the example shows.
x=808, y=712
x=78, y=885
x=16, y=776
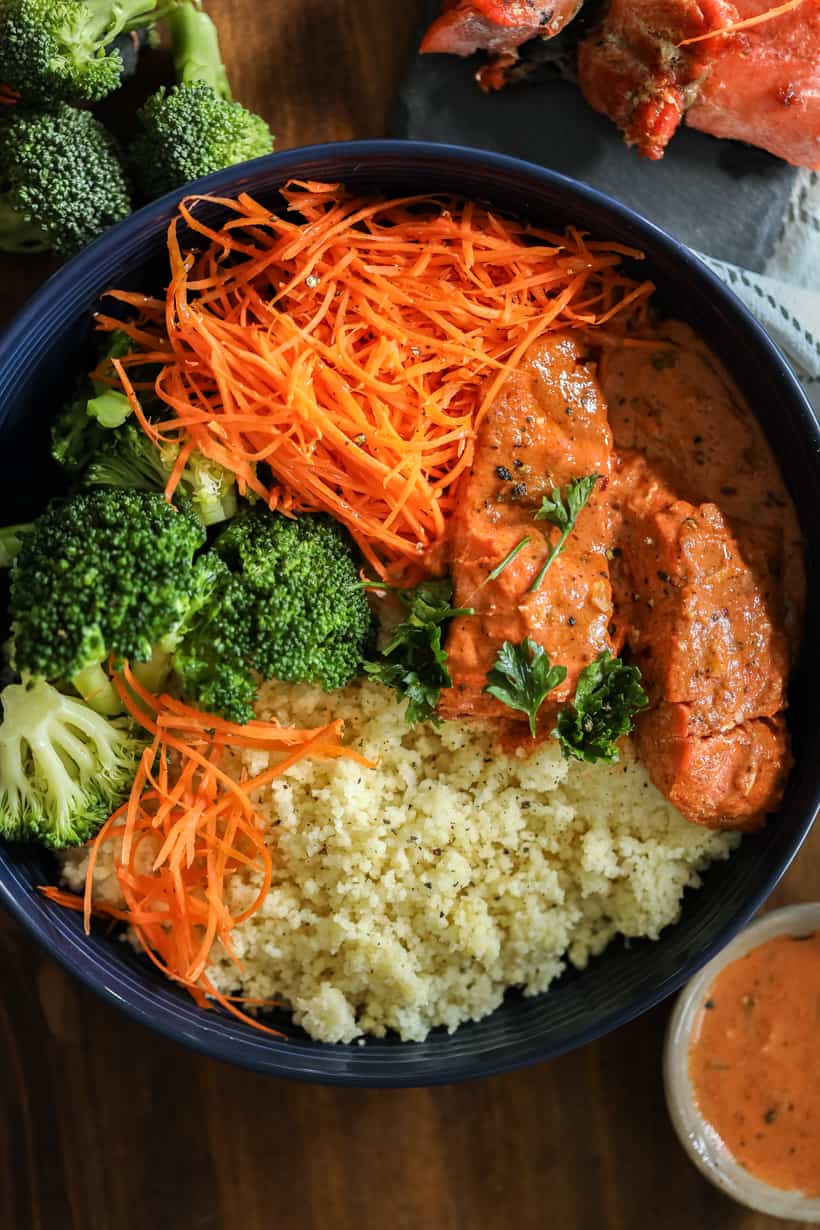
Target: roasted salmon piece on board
x=632, y=68
x=500, y=26
x=760, y=84
x=729, y=779
x=547, y=425
x=765, y=86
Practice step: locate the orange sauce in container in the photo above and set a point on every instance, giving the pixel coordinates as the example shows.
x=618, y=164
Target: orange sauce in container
x=754, y=1061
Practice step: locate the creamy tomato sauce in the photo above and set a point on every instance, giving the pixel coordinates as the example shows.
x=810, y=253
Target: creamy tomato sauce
x=754, y=1061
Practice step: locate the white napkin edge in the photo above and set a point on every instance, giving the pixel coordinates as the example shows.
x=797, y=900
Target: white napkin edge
x=789, y=314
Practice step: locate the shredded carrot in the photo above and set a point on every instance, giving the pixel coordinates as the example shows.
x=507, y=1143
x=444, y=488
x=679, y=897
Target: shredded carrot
x=353, y=344
x=747, y=23
x=186, y=829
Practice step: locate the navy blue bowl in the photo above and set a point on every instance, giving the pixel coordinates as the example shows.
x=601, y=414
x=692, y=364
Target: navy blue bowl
x=39, y=357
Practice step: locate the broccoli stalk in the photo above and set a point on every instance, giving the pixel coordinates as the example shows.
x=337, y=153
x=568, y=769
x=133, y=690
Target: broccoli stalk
x=195, y=127
x=63, y=768
x=54, y=50
x=81, y=427
x=93, y=437
x=11, y=540
x=106, y=573
x=129, y=459
x=197, y=55
x=61, y=182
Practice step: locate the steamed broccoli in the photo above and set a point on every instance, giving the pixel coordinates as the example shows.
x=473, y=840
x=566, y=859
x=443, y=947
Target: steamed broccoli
x=95, y=439
x=105, y=572
x=128, y=458
x=63, y=767
x=195, y=127
x=61, y=183
x=81, y=428
x=60, y=49
x=288, y=606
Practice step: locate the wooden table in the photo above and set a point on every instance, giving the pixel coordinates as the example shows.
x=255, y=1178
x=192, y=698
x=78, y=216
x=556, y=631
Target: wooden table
x=104, y=1126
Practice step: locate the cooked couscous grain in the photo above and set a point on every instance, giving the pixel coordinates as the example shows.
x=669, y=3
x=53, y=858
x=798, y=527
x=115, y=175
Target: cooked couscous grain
x=412, y=895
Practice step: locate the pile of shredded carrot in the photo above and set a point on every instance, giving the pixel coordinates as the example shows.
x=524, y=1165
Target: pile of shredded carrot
x=187, y=827
x=352, y=345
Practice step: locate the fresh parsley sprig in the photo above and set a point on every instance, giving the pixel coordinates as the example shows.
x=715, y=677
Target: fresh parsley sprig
x=508, y=559
x=607, y=697
x=521, y=677
x=414, y=661
x=561, y=509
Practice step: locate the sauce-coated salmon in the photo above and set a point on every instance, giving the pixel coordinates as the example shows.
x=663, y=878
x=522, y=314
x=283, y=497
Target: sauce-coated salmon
x=547, y=426
x=729, y=779
x=677, y=405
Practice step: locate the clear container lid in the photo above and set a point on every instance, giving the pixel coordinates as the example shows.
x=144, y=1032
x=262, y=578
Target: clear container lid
x=696, y=1134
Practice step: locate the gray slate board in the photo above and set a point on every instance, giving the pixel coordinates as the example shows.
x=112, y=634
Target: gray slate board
x=726, y=199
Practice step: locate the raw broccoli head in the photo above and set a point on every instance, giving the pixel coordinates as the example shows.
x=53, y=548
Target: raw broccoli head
x=61, y=183
x=195, y=127
x=289, y=606
x=106, y=572
x=60, y=49
x=188, y=132
x=63, y=768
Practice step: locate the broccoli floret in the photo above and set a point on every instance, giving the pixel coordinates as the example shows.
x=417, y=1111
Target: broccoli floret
x=106, y=572
x=60, y=49
x=61, y=183
x=195, y=127
x=128, y=458
x=63, y=768
x=80, y=430
x=95, y=438
x=289, y=606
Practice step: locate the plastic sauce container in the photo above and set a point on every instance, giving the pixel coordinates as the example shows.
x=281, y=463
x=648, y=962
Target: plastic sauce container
x=697, y=1135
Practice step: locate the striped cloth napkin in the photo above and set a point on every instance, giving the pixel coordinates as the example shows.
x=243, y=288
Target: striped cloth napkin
x=786, y=298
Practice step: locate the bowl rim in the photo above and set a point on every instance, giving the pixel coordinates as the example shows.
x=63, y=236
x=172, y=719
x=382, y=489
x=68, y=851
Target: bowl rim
x=211, y=1033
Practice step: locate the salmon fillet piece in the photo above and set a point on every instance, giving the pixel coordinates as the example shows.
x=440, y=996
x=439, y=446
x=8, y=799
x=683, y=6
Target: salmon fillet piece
x=765, y=86
x=547, y=426
x=632, y=69
x=705, y=627
x=704, y=635
x=679, y=407
x=500, y=26
x=729, y=779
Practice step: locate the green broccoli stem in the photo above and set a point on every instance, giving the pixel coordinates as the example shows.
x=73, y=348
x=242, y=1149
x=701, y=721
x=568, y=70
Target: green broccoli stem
x=197, y=56
x=11, y=540
x=213, y=509
x=19, y=234
x=97, y=690
x=110, y=407
x=107, y=19
x=154, y=673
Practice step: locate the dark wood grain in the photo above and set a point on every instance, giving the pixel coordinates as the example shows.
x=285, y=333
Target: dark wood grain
x=104, y=1126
